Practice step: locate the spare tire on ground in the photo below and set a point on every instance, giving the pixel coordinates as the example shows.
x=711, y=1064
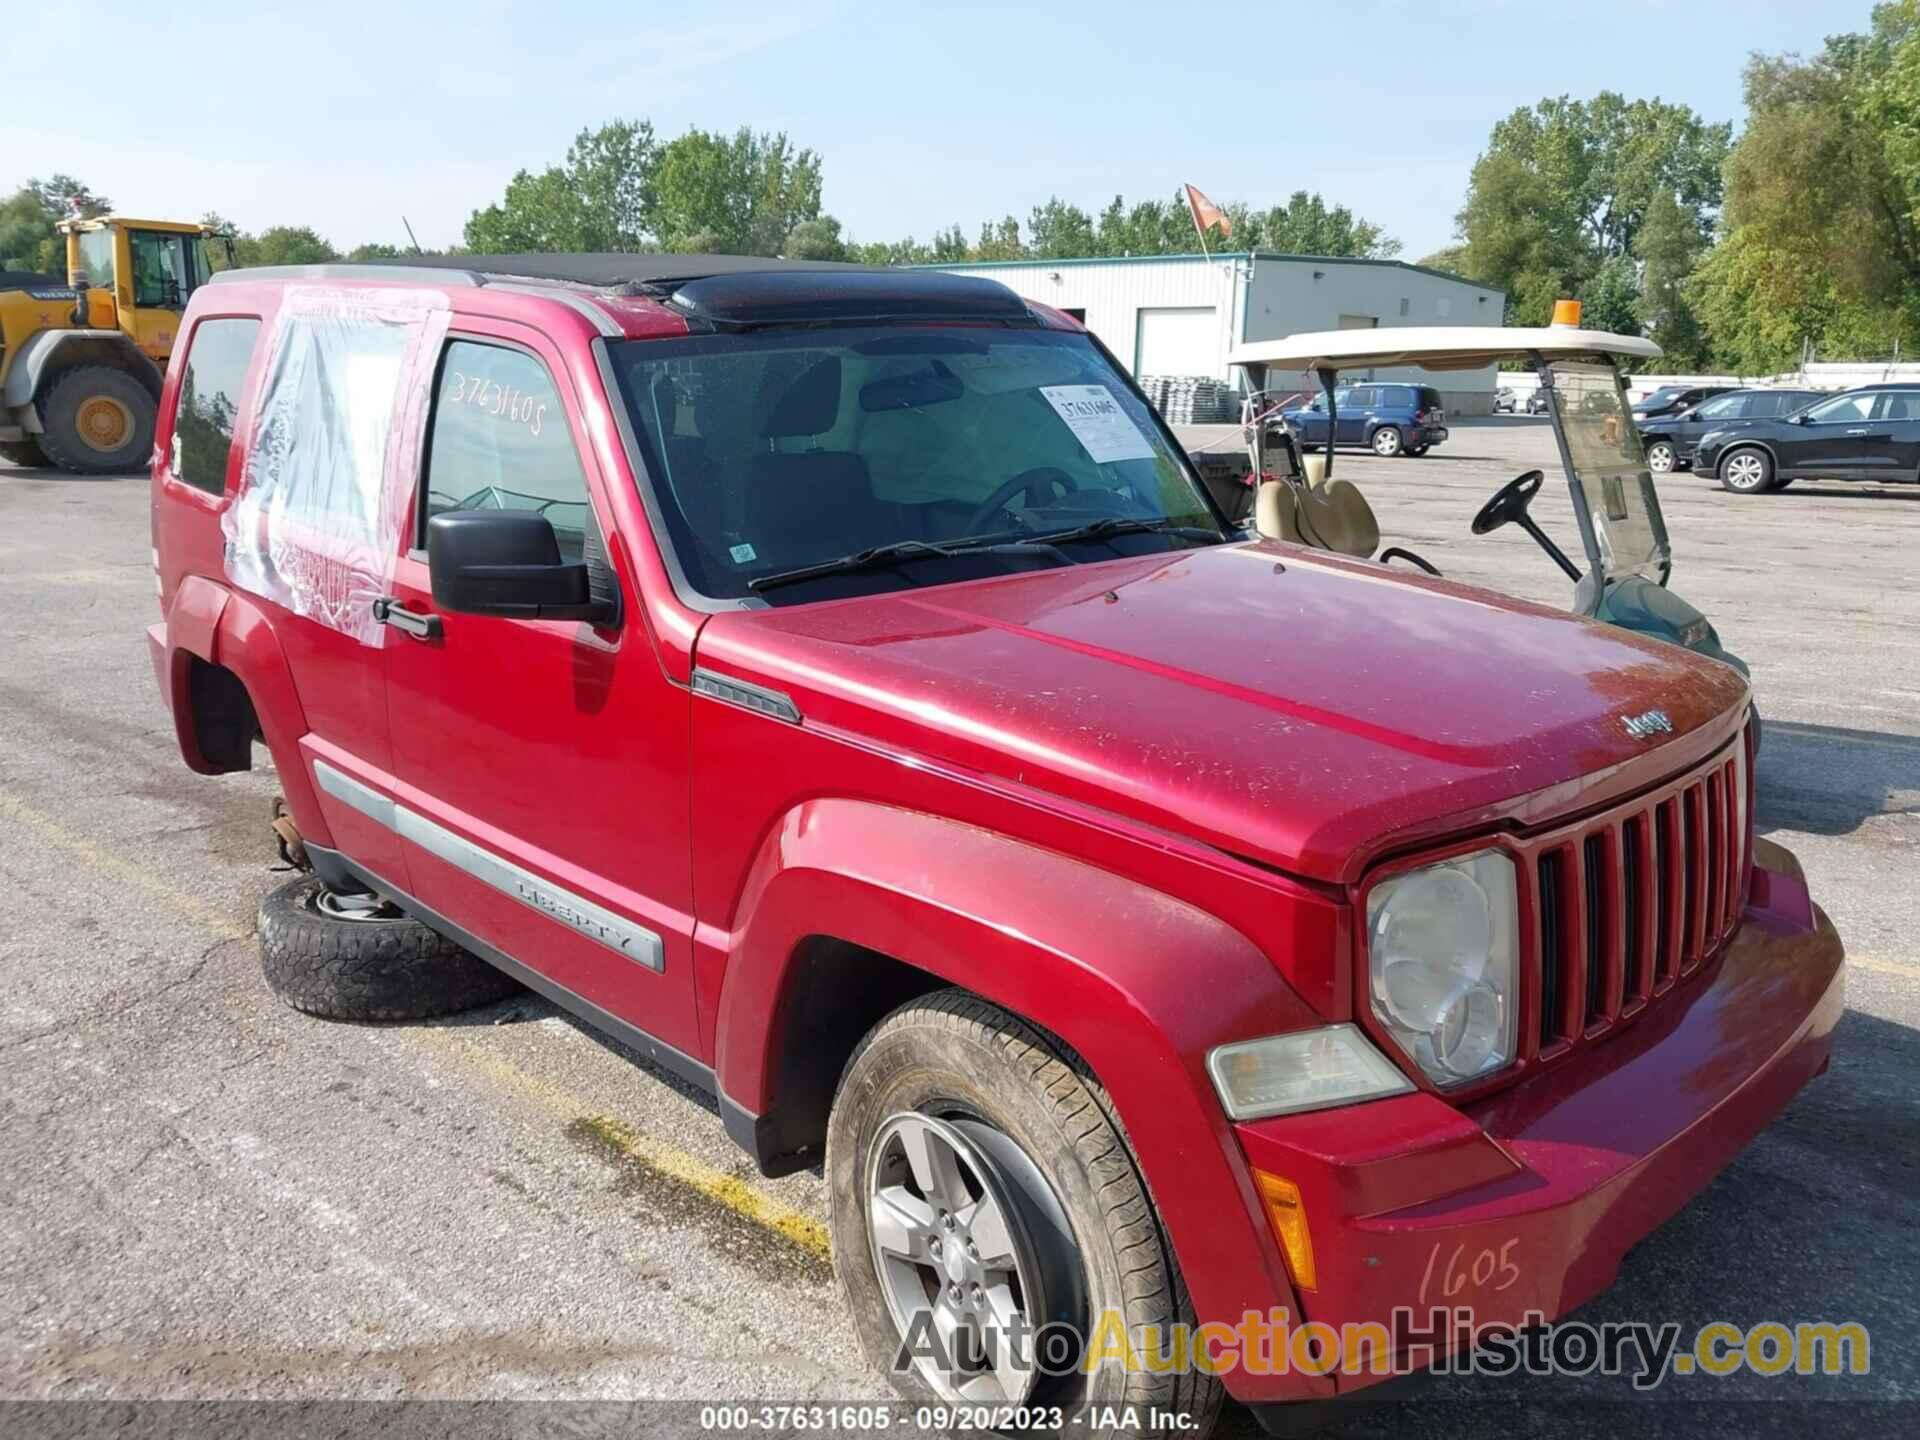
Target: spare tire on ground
x=352, y=957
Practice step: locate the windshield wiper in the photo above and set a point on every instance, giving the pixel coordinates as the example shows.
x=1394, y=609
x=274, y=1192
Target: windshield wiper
x=1112, y=525
x=878, y=557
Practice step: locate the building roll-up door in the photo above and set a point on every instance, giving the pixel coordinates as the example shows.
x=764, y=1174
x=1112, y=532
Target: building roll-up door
x=1178, y=340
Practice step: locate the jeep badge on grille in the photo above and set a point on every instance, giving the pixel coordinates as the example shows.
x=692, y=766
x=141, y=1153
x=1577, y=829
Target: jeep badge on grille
x=1647, y=722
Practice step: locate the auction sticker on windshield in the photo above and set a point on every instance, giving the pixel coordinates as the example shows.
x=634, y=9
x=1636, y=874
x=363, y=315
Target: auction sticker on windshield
x=1104, y=430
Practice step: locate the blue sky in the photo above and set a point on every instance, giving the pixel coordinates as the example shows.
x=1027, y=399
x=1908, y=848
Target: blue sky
x=348, y=115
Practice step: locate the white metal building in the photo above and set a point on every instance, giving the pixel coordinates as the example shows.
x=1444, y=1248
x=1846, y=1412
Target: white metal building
x=1182, y=314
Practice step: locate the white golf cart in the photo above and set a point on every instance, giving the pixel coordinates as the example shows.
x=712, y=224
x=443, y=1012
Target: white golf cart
x=1629, y=559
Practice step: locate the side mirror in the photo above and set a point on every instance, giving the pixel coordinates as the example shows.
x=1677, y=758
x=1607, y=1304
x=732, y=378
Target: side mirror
x=1799, y=419
x=506, y=562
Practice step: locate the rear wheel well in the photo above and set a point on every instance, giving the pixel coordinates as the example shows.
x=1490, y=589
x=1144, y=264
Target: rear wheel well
x=835, y=992
x=225, y=724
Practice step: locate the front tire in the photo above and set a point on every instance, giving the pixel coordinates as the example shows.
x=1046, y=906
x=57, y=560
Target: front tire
x=97, y=420
x=344, y=957
x=951, y=1111
x=1388, y=442
x=1661, y=459
x=1746, y=472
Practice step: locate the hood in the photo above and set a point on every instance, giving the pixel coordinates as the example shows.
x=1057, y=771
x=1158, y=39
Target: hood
x=1289, y=706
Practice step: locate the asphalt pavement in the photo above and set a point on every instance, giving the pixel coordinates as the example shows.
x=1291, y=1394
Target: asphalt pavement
x=206, y=1195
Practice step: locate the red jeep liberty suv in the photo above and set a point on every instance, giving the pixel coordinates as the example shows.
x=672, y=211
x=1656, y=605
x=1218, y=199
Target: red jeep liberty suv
x=836, y=684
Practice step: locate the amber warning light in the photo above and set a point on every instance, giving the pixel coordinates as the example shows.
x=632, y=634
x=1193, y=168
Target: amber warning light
x=1566, y=314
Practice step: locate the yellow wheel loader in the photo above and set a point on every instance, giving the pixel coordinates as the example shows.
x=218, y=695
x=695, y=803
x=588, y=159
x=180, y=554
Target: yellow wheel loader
x=81, y=358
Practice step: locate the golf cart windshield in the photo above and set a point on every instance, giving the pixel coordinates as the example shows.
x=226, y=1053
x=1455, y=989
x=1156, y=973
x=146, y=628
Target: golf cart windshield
x=1613, y=495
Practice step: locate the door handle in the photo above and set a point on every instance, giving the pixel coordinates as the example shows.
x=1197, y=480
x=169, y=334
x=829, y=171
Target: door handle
x=389, y=611
x=1863, y=430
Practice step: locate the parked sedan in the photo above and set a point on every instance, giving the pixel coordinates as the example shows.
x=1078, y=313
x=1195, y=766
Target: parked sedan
x=1670, y=439
x=1671, y=399
x=1872, y=433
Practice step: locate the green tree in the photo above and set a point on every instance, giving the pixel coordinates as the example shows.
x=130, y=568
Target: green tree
x=601, y=198
x=1059, y=231
x=1669, y=247
x=1822, y=227
x=1306, y=225
x=816, y=239
x=1561, y=193
x=1000, y=241
x=375, y=250
x=283, y=245
x=733, y=195
x=28, y=240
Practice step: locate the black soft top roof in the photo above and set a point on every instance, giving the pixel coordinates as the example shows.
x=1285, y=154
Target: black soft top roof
x=714, y=291
x=617, y=269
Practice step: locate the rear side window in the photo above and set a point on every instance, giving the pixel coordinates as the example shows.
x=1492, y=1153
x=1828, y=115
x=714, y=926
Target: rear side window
x=1429, y=398
x=210, y=387
x=500, y=441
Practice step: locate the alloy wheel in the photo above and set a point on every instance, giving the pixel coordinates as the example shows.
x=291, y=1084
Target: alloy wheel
x=1386, y=441
x=967, y=1242
x=1660, y=457
x=1746, y=472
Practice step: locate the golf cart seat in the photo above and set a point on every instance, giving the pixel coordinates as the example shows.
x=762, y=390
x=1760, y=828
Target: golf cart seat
x=1326, y=514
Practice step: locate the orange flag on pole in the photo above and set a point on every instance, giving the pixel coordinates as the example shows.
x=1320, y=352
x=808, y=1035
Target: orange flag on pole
x=1206, y=213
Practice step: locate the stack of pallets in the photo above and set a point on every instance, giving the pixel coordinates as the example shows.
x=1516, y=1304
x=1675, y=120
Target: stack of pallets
x=1191, y=399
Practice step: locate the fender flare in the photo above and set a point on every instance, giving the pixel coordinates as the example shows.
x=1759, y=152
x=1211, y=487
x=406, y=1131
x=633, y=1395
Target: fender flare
x=209, y=621
x=246, y=645
x=39, y=352
x=1142, y=997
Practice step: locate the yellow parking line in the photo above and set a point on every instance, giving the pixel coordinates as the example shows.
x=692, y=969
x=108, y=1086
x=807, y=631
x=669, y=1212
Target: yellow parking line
x=796, y=1226
x=53, y=833
x=1883, y=967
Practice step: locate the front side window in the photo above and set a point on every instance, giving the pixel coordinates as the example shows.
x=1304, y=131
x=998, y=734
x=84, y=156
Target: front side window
x=783, y=449
x=1729, y=407
x=500, y=441
x=1842, y=410
x=160, y=276
x=210, y=387
x=96, y=256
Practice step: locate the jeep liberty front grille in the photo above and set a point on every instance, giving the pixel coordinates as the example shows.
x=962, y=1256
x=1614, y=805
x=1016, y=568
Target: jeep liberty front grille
x=1627, y=903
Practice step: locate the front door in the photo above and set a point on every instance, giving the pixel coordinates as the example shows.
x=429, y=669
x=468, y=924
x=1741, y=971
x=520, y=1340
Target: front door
x=1832, y=439
x=542, y=764
x=162, y=279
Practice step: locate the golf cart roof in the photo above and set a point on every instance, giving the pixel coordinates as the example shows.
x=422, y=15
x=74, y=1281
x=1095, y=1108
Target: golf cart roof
x=1432, y=347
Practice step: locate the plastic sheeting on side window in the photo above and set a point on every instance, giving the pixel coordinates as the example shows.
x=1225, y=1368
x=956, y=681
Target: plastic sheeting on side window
x=334, y=451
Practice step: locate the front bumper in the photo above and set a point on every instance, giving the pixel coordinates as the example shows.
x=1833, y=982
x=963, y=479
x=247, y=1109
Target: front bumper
x=1525, y=1203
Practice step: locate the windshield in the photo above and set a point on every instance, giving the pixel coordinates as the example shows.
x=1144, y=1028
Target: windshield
x=1613, y=491
x=778, y=450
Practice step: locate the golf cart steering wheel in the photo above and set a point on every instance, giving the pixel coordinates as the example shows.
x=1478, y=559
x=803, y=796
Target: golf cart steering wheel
x=1509, y=502
x=1037, y=484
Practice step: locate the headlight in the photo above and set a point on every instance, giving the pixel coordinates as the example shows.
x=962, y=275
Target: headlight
x=1302, y=1070
x=1442, y=960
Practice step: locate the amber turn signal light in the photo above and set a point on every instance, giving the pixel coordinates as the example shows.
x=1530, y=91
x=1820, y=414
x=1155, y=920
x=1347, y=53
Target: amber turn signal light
x=1288, y=1217
x=1567, y=313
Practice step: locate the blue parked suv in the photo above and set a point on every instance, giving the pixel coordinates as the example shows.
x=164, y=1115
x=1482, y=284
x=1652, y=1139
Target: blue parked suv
x=1386, y=418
